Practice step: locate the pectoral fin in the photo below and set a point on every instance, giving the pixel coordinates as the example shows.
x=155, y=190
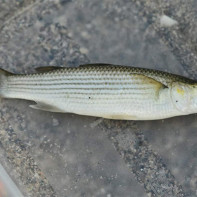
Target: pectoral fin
x=45, y=107
x=150, y=87
x=149, y=80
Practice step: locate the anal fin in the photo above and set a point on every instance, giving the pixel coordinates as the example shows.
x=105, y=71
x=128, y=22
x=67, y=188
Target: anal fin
x=120, y=117
x=45, y=107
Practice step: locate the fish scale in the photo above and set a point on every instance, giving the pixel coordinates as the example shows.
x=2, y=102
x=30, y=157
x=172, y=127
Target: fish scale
x=109, y=91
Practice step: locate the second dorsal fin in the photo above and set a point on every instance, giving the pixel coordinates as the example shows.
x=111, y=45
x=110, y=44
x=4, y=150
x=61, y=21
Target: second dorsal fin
x=95, y=64
x=47, y=68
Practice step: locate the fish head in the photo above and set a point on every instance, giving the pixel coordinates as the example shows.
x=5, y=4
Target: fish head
x=184, y=97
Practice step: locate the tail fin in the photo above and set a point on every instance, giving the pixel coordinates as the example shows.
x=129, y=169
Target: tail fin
x=3, y=81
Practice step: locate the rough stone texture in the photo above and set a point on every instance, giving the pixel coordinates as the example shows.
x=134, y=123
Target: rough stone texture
x=117, y=35
x=73, y=154
x=147, y=165
x=33, y=180
x=176, y=140
x=181, y=38
x=13, y=8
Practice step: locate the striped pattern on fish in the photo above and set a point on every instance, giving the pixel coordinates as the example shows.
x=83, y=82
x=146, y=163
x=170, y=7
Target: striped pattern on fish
x=103, y=90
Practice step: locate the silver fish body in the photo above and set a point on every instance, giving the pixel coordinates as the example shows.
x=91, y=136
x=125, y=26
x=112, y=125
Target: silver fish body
x=108, y=91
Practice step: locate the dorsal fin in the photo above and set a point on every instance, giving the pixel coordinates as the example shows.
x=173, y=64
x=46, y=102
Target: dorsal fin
x=96, y=64
x=47, y=68
x=5, y=72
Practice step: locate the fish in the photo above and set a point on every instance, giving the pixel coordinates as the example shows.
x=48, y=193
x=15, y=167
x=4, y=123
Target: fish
x=104, y=90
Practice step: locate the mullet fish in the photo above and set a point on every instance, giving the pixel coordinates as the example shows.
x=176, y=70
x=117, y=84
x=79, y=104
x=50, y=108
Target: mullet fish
x=104, y=90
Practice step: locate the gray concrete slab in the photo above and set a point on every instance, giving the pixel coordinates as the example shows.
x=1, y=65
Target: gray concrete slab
x=70, y=155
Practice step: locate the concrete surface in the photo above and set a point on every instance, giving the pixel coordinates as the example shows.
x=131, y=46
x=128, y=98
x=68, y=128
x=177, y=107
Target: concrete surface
x=50, y=154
